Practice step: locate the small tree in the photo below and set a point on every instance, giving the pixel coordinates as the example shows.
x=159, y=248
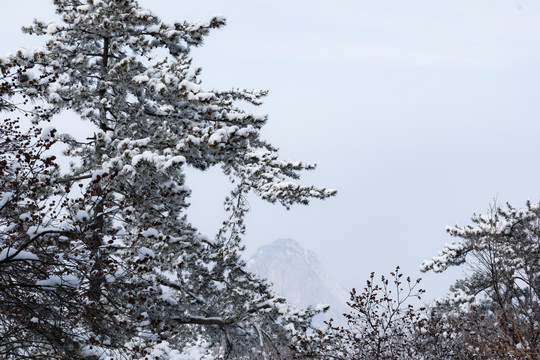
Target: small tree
x=382, y=324
x=495, y=309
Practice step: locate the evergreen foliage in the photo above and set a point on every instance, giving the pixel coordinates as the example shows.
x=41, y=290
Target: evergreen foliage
x=496, y=308
x=111, y=244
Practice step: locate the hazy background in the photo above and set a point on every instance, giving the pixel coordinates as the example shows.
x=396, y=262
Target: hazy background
x=419, y=112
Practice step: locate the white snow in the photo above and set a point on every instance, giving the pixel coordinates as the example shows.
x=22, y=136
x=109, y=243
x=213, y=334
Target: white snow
x=140, y=78
x=159, y=87
x=321, y=307
x=154, y=28
x=151, y=232
x=36, y=231
x=193, y=352
x=25, y=216
x=51, y=28
x=55, y=280
x=54, y=98
x=144, y=252
x=25, y=53
x=5, y=198
x=82, y=216
x=83, y=8
x=190, y=86
x=47, y=133
x=99, y=174
x=23, y=255
x=29, y=74
x=142, y=12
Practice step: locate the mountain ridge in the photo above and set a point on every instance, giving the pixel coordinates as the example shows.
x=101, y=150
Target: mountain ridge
x=299, y=276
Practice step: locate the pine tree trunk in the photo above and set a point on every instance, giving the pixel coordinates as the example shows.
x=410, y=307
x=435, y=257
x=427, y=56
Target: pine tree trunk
x=96, y=240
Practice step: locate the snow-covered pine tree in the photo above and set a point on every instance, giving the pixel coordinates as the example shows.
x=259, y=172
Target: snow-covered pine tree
x=160, y=286
x=495, y=310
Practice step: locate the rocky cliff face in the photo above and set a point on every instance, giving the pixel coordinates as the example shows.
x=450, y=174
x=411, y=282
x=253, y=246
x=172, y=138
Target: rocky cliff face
x=298, y=275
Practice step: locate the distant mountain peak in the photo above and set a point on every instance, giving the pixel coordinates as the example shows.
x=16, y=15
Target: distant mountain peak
x=298, y=275
x=286, y=242
x=281, y=246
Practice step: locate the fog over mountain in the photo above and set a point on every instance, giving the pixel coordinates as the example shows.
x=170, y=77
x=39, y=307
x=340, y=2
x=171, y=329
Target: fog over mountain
x=298, y=275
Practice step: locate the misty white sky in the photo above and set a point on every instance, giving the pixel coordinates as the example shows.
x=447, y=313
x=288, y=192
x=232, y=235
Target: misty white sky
x=419, y=112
